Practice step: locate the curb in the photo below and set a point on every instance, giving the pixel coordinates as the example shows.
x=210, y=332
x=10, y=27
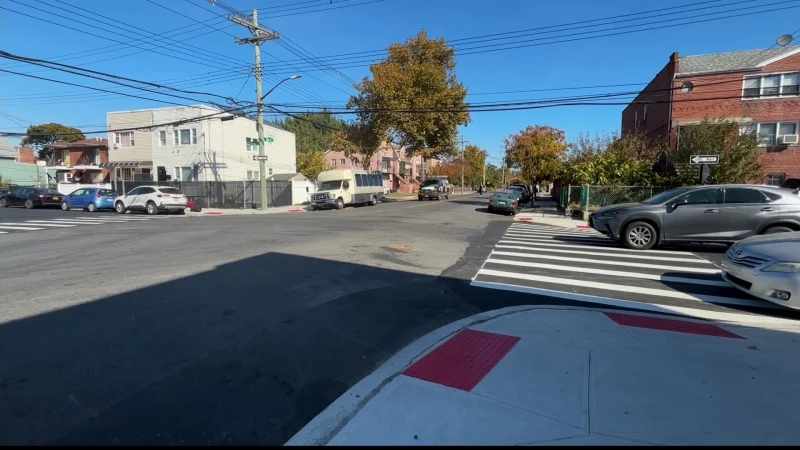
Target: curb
x=327, y=424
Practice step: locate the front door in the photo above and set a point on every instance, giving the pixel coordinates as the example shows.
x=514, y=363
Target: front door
x=695, y=216
x=743, y=212
x=76, y=199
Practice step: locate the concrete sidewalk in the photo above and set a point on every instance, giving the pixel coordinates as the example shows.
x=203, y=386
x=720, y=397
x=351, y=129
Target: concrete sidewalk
x=576, y=376
x=546, y=211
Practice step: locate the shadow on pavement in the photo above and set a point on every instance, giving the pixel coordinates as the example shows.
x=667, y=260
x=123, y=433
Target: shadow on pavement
x=246, y=353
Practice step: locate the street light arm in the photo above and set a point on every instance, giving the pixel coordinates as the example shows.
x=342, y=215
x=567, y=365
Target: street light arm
x=293, y=77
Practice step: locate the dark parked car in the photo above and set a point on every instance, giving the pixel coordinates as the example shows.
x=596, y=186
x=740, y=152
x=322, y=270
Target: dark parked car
x=523, y=194
x=791, y=183
x=30, y=197
x=723, y=213
x=505, y=201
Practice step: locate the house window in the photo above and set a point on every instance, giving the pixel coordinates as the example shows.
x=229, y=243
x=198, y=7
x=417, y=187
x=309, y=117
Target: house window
x=124, y=140
x=270, y=170
x=162, y=138
x=636, y=121
x=184, y=174
x=95, y=155
x=185, y=137
x=125, y=174
x=776, y=179
x=252, y=175
x=771, y=133
x=342, y=162
x=333, y=163
x=776, y=85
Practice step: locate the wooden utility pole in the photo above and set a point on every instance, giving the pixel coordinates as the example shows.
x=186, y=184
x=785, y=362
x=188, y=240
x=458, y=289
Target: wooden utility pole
x=258, y=34
x=462, y=164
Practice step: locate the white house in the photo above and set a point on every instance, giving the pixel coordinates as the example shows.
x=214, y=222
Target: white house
x=208, y=149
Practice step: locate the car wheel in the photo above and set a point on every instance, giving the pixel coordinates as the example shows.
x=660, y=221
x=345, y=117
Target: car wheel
x=181, y=212
x=447, y=197
x=777, y=229
x=491, y=210
x=119, y=207
x=151, y=209
x=65, y=206
x=419, y=198
x=29, y=204
x=339, y=203
x=640, y=236
x=314, y=208
x=91, y=207
x=373, y=201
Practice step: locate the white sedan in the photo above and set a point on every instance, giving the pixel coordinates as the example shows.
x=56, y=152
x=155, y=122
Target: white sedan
x=766, y=266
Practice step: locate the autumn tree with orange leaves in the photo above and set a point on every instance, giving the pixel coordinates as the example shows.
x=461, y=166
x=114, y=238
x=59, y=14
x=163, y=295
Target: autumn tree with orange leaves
x=538, y=152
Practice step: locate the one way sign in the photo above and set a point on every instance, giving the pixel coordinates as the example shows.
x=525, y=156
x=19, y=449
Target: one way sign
x=704, y=159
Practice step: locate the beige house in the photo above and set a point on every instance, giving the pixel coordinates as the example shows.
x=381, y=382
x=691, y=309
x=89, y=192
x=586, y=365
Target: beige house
x=210, y=146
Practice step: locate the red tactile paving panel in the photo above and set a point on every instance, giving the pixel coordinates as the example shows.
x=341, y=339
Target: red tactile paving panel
x=463, y=360
x=525, y=219
x=678, y=326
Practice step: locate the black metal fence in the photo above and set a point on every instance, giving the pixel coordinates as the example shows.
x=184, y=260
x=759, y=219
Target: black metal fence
x=222, y=194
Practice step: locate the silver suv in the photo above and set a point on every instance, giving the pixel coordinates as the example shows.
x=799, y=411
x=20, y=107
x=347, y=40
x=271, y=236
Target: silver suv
x=722, y=213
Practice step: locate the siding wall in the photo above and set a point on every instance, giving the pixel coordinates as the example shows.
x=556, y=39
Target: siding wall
x=221, y=152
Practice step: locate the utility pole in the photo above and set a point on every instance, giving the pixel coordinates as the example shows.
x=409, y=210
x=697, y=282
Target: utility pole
x=462, y=164
x=259, y=34
x=503, y=179
x=485, y=154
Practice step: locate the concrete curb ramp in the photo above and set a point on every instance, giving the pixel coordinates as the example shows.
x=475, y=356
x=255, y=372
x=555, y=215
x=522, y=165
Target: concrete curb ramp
x=575, y=376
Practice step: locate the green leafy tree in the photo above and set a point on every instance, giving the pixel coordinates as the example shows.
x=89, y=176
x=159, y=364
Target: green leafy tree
x=474, y=158
x=538, y=152
x=311, y=163
x=739, y=160
x=493, y=176
x=611, y=160
x=312, y=129
x=38, y=135
x=416, y=75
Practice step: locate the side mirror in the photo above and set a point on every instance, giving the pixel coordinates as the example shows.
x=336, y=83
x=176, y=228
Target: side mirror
x=677, y=203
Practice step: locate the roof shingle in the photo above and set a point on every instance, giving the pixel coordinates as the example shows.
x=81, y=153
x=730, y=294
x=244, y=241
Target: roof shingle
x=729, y=61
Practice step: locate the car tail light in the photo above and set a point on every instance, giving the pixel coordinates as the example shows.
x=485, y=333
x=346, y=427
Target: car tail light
x=161, y=195
x=513, y=204
x=98, y=195
x=491, y=202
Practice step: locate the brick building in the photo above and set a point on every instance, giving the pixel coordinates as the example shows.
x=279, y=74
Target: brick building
x=79, y=161
x=757, y=88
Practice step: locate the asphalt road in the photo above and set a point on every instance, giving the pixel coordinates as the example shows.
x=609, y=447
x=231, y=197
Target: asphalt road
x=223, y=330
x=20, y=213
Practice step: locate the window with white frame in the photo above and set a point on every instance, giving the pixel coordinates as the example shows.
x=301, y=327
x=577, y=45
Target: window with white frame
x=252, y=175
x=776, y=179
x=771, y=133
x=95, y=157
x=187, y=136
x=124, y=139
x=184, y=174
x=773, y=85
x=252, y=144
x=333, y=163
x=342, y=162
x=162, y=138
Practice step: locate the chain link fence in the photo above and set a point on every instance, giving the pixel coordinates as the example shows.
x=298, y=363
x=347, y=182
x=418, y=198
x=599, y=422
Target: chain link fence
x=222, y=194
x=590, y=198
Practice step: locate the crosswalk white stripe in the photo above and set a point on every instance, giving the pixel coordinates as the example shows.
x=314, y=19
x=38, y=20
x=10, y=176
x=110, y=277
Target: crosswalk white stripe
x=560, y=236
x=91, y=219
x=3, y=232
x=48, y=224
x=556, y=230
x=78, y=222
x=614, y=255
x=608, y=262
x=119, y=217
x=600, y=246
x=629, y=289
x=14, y=226
x=613, y=273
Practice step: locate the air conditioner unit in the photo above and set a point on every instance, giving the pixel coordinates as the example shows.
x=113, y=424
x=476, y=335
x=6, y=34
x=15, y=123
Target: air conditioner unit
x=789, y=139
x=116, y=146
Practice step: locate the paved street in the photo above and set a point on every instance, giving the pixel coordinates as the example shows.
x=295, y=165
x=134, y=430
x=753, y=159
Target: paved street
x=214, y=330
x=585, y=265
x=241, y=329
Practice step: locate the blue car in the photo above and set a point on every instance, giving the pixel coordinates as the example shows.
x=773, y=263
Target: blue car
x=91, y=199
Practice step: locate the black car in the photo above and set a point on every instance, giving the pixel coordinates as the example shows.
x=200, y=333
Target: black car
x=31, y=197
x=524, y=194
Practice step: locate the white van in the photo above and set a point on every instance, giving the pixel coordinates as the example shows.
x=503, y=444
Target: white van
x=341, y=187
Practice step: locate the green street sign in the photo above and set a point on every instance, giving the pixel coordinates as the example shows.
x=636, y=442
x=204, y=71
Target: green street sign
x=269, y=140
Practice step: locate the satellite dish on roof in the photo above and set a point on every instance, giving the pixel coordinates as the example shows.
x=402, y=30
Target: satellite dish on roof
x=784, y=40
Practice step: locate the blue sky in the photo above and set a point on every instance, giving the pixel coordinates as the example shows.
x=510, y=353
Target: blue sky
x=208, y=60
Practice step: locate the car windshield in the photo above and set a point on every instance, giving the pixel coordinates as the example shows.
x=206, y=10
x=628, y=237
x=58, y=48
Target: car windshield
x=502, y=195
x=170, y=191
x=330, y=185
x=664, y=196
x=430, y=182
